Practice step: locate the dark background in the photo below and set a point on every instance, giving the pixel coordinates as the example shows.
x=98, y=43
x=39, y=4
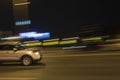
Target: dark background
x=6, y=15
x=65, y=16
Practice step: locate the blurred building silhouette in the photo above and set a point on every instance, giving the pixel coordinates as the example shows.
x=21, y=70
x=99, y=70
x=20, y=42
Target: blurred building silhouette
x=21, y=16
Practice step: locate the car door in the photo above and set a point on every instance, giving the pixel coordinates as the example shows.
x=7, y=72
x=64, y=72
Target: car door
x=7, y=53
x=11, y=54
x=3, y=52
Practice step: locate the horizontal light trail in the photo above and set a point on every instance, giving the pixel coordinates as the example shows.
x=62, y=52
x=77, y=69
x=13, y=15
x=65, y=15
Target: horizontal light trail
x=70, y=38
x=73, y=47
x=51, y=40
x=25, y=3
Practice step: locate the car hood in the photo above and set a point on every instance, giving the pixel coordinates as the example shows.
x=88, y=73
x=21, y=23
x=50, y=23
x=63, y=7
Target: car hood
x=29, y=49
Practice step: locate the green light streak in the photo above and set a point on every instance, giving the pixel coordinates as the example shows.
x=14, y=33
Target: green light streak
x=33, y=44
x=113, y=40
x=94, y=38
x=50, y=43
x=68, y=42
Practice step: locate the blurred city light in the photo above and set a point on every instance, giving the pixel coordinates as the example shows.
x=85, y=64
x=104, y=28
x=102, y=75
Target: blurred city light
x=35, y=35
x=25, y=3
x=11, y=38
x=32, y=44
x=27, y=34
x=92, y=40
x=51, y=40
x=50, y=43
x=41, y=36
x=73, y=47
x=70, y=38
x=21, y=23
x=68, y=42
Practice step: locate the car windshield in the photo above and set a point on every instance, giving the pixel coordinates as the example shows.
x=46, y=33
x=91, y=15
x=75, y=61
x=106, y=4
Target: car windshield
x=19, y=47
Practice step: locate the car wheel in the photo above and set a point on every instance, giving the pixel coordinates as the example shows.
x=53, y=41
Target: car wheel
x=26, y=60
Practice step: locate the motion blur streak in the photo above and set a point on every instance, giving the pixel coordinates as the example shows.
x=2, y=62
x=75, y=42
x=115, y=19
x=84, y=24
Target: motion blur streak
x=22, y=4
x=114, y=44
x=73, y=47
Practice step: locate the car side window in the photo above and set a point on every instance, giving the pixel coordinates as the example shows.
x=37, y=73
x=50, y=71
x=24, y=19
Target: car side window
x=1, y=47
x=6, y=47
x=19, y=47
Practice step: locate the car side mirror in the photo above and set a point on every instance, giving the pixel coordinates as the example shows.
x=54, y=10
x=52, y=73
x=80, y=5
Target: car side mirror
x=14, y=49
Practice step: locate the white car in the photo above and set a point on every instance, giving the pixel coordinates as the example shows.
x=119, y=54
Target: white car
x=19, y=53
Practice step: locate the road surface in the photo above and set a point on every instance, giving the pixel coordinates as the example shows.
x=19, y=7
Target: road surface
x=59, y=64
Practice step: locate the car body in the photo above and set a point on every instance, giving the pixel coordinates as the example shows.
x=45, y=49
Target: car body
x=20, y=53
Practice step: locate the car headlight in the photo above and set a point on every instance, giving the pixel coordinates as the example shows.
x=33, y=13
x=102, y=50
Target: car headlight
x=37, y=53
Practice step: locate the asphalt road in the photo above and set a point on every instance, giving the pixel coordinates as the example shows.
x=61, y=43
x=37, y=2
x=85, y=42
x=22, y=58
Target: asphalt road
x=60, y=64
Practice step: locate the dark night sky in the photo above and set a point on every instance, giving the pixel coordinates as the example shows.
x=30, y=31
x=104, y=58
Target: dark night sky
x=66, y=15
x=69, y=15
x=6, y=16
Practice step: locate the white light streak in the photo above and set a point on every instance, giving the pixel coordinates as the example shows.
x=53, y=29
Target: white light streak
x=19, y=4
x=51, y=40
x=70, y=38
